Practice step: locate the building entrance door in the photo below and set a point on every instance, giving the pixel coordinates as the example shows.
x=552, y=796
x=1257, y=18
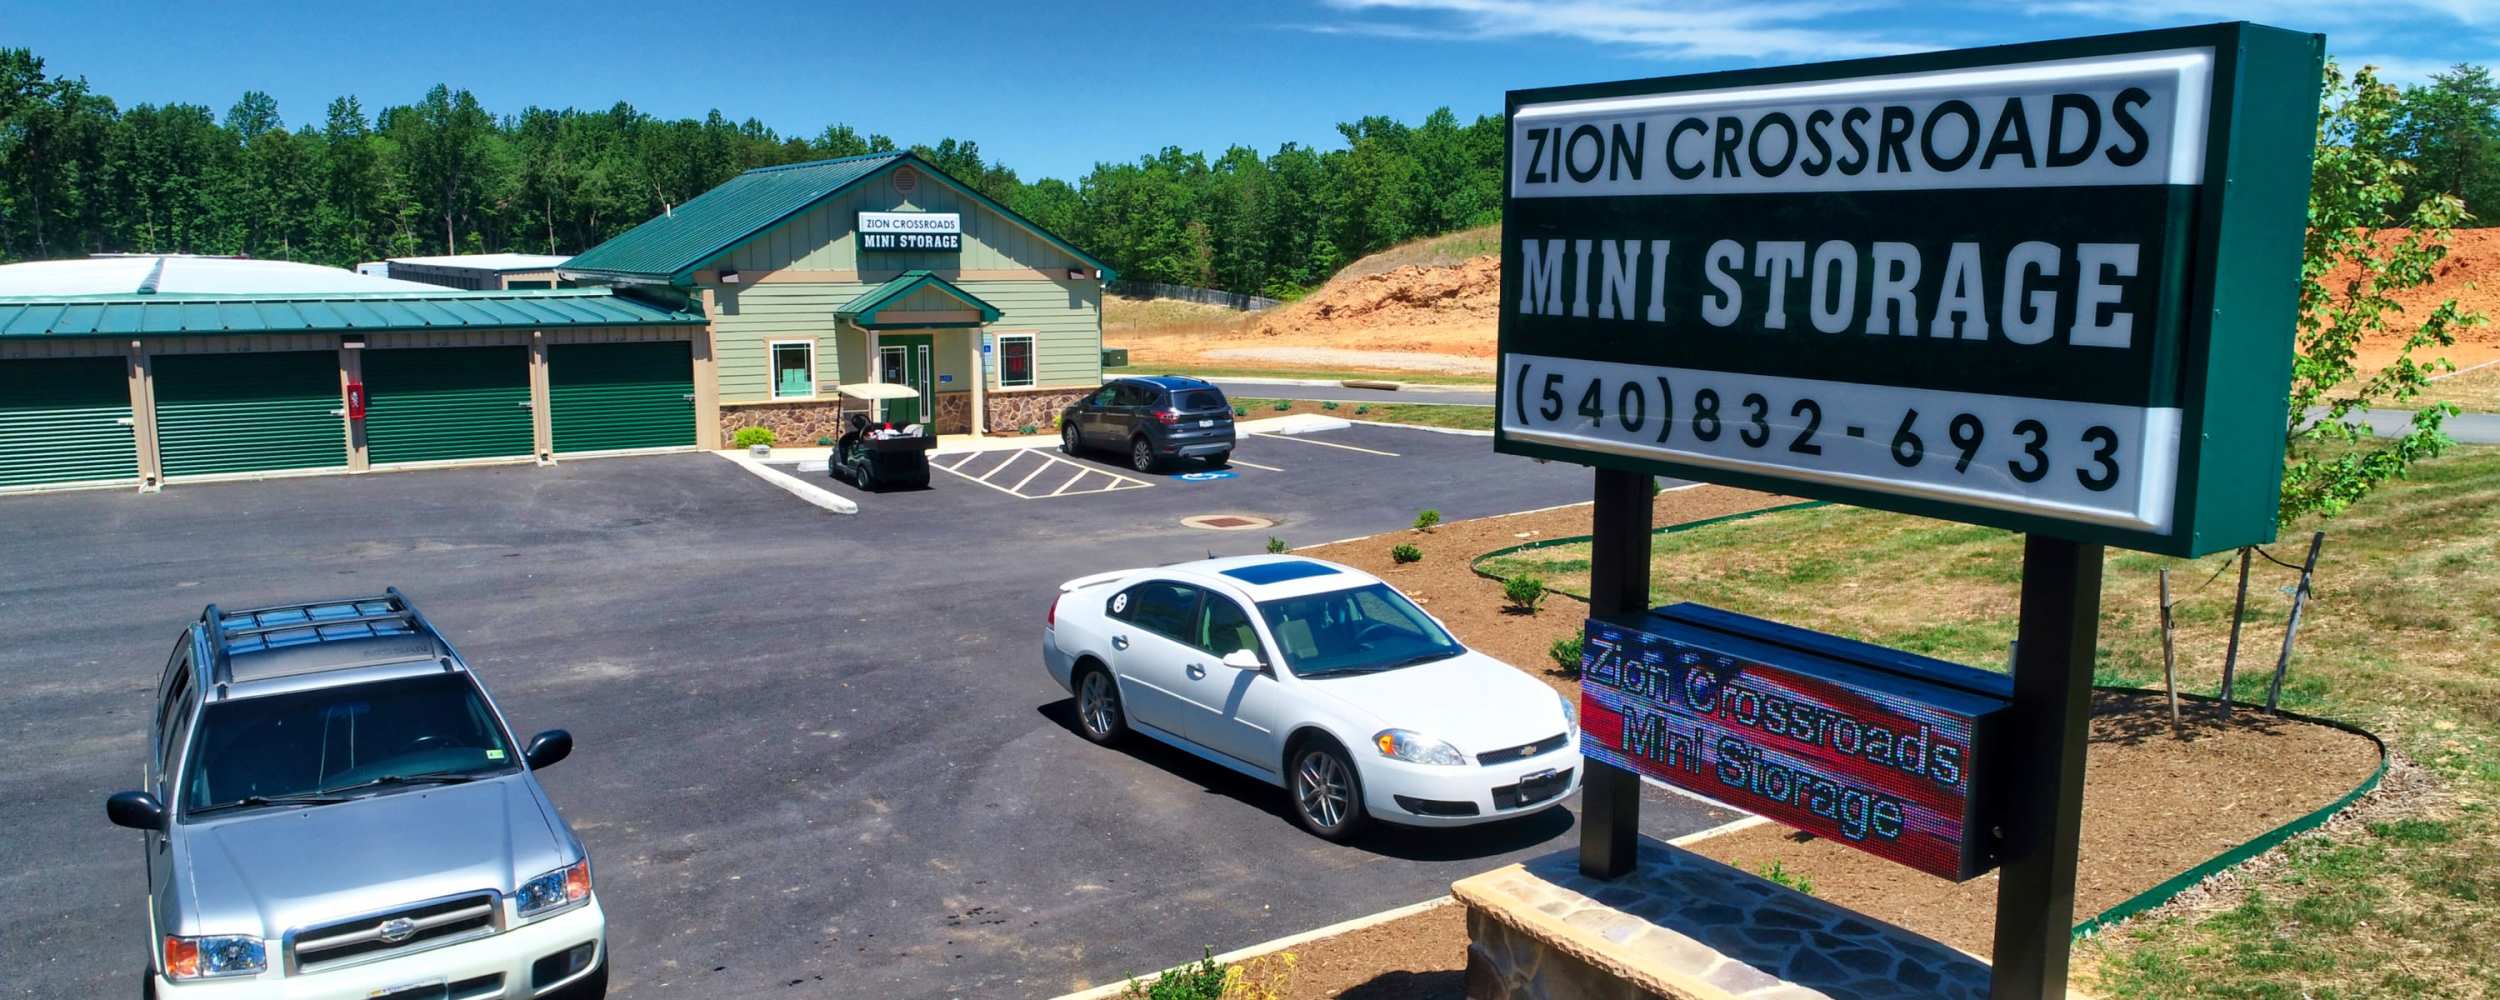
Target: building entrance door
x=903, y=359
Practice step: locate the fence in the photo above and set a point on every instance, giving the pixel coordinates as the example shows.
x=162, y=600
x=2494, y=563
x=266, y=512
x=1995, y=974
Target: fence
x=1208, y=296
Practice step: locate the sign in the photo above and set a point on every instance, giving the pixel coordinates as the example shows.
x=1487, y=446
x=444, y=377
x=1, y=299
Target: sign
x=918, y=232
x=1864, y=746
x=2044, y=287
x=355, y=401
x=1205, y=477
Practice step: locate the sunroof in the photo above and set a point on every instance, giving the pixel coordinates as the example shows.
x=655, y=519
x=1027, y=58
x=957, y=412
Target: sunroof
x=1279, y=572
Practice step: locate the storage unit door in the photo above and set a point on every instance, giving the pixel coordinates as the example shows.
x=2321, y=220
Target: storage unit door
x=64, y=420
x=228, y=413
x=441, y=404
x=612, y=396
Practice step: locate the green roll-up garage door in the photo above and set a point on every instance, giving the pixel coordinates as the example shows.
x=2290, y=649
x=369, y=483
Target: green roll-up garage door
x=61, y=421
x=612, y=396
x=225, y=413
x=439, y=404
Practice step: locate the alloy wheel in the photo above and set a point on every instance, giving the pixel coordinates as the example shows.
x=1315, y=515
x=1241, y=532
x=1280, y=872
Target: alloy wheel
x=1323, y=789
x=1096, y=706
x=1142, y=456
x=1067, y=439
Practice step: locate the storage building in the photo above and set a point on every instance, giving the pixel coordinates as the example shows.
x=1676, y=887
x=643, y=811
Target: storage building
x=875, y=268
x=149, y=370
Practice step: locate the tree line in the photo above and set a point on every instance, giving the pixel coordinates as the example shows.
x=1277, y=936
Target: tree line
x=80, y=174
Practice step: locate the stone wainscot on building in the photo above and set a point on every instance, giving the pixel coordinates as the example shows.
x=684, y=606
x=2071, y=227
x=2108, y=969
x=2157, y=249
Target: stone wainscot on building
x=876, y=268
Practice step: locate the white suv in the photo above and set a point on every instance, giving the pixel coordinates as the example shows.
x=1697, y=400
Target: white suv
x=1317, y=678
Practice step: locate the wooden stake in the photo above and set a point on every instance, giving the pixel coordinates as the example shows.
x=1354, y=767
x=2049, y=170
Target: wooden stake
x=2231, y=657
x=2291, y=629
x=2169, y=657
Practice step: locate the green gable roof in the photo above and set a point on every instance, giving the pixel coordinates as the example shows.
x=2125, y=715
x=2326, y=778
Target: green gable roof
x=864, y=309
x=671, y=247
x=130, y=315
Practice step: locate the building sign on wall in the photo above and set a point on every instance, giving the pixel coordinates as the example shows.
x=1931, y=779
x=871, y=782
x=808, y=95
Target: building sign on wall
x=918, y=232
x=1858, y=744
x=2045, y=287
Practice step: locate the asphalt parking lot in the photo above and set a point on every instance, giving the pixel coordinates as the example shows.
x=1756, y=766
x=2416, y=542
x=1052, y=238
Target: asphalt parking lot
x=814, y=751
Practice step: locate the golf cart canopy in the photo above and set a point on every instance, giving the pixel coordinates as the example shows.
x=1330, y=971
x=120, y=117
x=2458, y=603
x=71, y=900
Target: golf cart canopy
x=877, y=390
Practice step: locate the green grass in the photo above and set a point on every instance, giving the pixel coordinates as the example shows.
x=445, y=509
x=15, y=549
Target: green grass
x=1331, y=374
x=2400, y=638
x=2475, y=391
x=1479, y=418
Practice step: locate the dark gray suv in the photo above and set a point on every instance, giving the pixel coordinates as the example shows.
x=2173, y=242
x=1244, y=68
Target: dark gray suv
x=1152, y=419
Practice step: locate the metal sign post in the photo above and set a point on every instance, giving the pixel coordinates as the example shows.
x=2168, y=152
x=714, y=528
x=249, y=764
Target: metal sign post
x=1610, y=797
x=2061, y=615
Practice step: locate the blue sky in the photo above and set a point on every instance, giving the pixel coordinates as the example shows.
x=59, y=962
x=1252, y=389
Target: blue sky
x=1053, y=87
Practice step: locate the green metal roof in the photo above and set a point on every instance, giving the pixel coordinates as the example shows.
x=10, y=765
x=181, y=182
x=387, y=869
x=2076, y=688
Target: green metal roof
x=671, y=247
x=132, y=315
x=863, y=310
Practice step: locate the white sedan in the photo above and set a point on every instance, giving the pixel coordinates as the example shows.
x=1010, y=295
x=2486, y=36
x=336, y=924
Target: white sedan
x=1319, y=679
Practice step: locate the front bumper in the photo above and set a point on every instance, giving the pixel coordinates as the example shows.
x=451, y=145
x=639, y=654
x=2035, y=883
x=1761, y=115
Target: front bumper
x=509, y=955
x=1491, y=789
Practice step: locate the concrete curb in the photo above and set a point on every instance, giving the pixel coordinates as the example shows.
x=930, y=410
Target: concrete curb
x=793, y=485
x=1264, y=948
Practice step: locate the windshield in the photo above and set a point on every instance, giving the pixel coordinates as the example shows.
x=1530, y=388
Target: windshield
x=318, y=742
x=1359, y=631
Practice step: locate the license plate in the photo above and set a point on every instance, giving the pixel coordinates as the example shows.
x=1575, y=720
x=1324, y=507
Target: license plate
x=1539, y=781
x=1206, y=423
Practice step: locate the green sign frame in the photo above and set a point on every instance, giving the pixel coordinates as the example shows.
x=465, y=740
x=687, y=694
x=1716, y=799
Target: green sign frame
x=2213, y=296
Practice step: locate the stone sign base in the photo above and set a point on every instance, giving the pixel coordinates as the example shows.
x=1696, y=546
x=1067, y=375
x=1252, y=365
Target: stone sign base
x=1684, y=927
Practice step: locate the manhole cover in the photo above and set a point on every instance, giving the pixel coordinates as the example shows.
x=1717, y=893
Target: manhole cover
x=1227, y=522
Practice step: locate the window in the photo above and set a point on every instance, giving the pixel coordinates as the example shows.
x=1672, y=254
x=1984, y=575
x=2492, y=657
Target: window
x=1199, y=400
x=432, y=726
x=1161, y=606
x=1138, y=394
x=794, y=369
x=1223, y=627
x=1109, y=396
x=1360, y=631
x=1015, y=360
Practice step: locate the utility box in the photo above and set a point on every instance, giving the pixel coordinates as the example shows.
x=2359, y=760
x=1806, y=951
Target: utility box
x=1115, y=357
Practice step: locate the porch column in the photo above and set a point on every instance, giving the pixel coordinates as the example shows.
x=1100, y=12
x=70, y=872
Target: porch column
x=876, y=372
x=980, y=382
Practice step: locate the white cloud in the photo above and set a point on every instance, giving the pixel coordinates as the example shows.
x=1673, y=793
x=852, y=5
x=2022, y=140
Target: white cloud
x=2302, y=15
x=1767, y=30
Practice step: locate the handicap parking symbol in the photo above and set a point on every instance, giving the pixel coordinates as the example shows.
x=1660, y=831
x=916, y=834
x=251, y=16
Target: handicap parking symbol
x=1200, y=477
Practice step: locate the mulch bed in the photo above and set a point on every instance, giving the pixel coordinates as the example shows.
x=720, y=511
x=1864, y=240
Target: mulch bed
x=2155, y=803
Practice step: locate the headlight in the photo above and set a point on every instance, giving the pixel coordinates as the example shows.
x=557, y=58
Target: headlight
x=1571, y=710
x=214, y=957
x=1414, y=748
x=555, y=890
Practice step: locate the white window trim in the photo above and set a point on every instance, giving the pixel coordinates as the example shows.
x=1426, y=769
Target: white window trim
x=1032, y=357
x=772, y=369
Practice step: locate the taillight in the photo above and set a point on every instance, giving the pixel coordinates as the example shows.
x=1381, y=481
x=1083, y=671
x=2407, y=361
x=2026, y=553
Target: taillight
x=1051, y=618
x=1167, y=417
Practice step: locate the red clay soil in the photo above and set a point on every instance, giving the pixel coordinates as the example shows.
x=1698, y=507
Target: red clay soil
x=2470, y=274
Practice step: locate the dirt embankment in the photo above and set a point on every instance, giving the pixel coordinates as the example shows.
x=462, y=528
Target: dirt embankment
x=2470, y=274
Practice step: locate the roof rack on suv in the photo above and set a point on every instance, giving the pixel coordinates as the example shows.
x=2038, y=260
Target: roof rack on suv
x=311, y=623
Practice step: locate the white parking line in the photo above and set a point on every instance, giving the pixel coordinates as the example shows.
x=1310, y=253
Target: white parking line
x=1325, y=444
x=1254, y=465
x=1113, y=481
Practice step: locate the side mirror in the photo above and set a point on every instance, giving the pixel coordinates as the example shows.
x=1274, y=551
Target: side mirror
x=547, y=748
x=1243, y=659
x=136, y=810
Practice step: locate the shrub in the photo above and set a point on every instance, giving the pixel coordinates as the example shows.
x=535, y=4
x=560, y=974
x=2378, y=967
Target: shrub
x=1525, y=591
x=1426, y=518
x=1360, y=410
x=748, y=437
x=824, y=442
x=1199, y=980
x=1241, y=411
x=1404, y=554
x=1779, y=873
x=1328, y=404
x=1284, y=404
x=1030, y=429
x=1275, y=544
x=1566, y=654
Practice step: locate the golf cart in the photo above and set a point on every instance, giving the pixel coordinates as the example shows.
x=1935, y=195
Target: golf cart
x=874, y=454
